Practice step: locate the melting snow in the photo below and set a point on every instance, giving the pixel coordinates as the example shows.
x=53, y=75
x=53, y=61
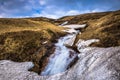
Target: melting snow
x=82, y=44
x=74, y=26
x=45, y=42
x=64, y=23
x=71, y=31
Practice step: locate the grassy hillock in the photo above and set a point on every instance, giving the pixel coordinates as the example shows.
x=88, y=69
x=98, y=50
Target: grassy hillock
x=104, y=26
x=12, y=25
x=27, y=40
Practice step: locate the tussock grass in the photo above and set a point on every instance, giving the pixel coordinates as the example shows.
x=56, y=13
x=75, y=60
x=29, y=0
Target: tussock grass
x=13, y=25
x=104, y=26
x=22, y=40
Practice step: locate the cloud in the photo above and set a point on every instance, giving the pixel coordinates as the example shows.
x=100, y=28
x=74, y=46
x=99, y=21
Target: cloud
x=54, y=8
x=2, y=15
x=61, y=13
x=17, y=8
x=56, y=14
x=42, y=2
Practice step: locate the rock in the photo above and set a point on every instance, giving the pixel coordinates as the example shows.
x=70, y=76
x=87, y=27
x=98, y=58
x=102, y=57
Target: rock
x=93, y=64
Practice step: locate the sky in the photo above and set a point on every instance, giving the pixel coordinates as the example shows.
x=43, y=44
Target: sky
x=54, y=8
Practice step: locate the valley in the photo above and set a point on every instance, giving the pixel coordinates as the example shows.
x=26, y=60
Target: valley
x=80, y=47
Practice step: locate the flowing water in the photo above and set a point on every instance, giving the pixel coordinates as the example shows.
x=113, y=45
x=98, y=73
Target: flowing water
x=62, y=57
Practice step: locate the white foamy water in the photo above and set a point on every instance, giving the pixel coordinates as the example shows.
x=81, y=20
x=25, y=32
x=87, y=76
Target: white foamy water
x=61, y=58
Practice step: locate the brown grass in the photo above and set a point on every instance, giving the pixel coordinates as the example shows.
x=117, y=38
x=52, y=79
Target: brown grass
x=104, y=26
x=13, y=25
x=22, y=40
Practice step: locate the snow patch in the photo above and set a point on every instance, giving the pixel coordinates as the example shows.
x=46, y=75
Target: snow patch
x=71, y=31
x=75, y=26
x=70, y=41
x=44, y=42
x=64, y=23
x=81, y=44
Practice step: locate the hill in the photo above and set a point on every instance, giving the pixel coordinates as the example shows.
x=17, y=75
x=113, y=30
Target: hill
x=27, y=40
x=104, y=26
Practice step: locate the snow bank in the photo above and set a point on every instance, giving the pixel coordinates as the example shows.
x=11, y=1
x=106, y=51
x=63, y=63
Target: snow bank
x=75, y=26
x=64, y=23
x=72, y=28
x=81, y=44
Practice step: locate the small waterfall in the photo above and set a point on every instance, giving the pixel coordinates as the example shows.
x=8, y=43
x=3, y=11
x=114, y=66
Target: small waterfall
x=61, y=58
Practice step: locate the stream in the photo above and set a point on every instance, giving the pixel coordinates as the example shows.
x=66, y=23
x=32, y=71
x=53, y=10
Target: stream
x=63, y=56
